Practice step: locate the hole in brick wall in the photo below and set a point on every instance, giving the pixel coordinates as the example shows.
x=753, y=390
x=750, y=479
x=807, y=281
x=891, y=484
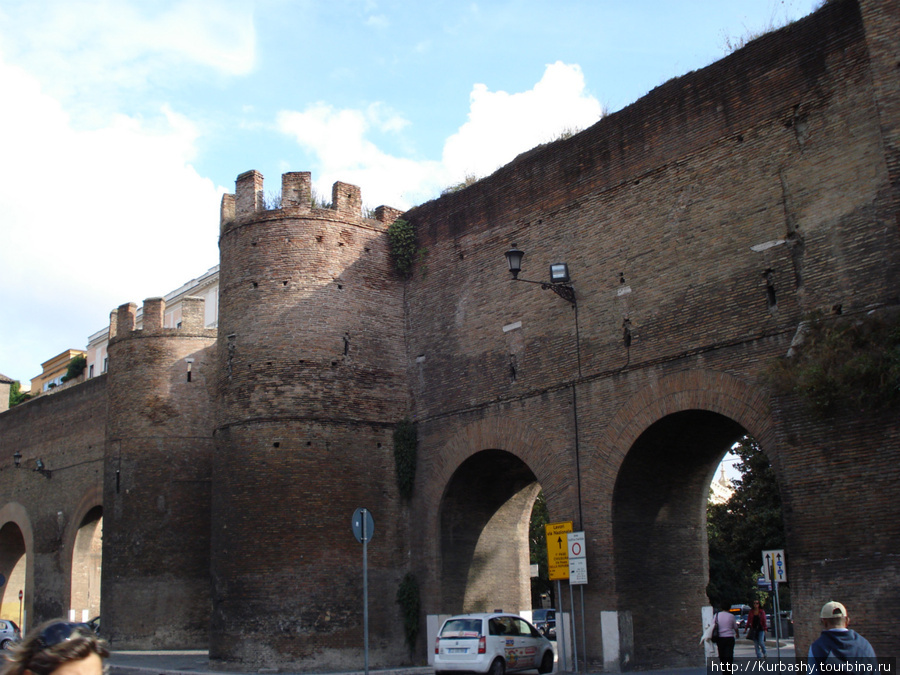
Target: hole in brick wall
x=340, y=243
x=367, y=250
x=268, y=363
x=255, y=285
x=379, y=445
x=284, y=283
x=512, y=368
x=253, y=243
x=771, y=300
x=308, y=443
x=333, y=363
x=740, y=138
x=276, y=444
x=340, y=286
x=319, y=238
x=837, y=309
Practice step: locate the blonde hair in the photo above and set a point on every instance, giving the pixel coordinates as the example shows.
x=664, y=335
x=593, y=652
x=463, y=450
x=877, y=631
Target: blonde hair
x=76, y=641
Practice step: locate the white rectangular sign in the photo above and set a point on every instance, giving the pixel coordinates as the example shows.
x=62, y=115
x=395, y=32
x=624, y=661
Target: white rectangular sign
x=576, y=545
x=577, y=571
x=577, y=559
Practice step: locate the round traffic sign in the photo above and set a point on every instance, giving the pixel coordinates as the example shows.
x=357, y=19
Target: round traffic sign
x=363, y=525
x=20, y=595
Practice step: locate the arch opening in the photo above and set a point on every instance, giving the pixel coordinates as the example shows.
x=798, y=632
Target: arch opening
x=87, y=556
x=659, y=531
x=484, y=523
x=13, y=563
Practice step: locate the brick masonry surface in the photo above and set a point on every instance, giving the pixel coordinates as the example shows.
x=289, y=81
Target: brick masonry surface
x=700, y=225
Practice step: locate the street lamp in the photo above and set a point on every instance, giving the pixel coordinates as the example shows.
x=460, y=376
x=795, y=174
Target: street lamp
x=41, y=469
x=559, y=275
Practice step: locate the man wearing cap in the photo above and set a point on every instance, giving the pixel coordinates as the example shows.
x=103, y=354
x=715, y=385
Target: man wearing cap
x=837, y=643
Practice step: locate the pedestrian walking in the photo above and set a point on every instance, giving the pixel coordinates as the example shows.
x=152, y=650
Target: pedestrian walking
x=756, y=629
x=838, y=644
x=727, y=631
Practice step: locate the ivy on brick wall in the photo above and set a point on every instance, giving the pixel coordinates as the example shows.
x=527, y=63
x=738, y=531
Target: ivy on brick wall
x=405, y=448
x=404, y=249
x=408, y=598
x=843, y=363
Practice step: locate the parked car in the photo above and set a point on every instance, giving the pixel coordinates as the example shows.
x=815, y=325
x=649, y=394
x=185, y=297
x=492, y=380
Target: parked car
x=545, y=621
x=491, y=643
x=9, y=633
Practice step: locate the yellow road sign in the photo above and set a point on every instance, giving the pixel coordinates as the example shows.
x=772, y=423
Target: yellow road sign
x=558, y=550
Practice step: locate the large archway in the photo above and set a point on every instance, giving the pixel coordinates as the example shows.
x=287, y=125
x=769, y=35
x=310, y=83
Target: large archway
x=86, y=565
x=13, y=564
x=659, y=530
x=484, y=518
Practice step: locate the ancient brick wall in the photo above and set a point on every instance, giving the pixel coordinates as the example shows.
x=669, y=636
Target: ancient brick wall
x=311, y=382
x=65, y=431
x=699, y=225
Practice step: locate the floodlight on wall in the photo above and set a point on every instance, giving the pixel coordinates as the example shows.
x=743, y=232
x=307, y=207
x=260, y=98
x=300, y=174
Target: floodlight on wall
x=559, y=275
x=17, y=458
x=41, y=469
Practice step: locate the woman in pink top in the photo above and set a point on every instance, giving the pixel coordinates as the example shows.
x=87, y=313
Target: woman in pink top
x=727, y=633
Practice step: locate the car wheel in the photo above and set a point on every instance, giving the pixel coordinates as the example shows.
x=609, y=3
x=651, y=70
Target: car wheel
x=546, y=663
x=497, y=667
x=6, y=644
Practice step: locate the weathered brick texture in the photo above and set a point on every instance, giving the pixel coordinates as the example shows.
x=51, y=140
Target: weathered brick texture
x=700, y=225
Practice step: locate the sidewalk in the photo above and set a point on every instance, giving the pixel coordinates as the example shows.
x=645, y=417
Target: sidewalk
x=194, y=662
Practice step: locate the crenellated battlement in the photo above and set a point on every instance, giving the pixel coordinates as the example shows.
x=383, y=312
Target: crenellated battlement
x=296, y=194
x=123, y=320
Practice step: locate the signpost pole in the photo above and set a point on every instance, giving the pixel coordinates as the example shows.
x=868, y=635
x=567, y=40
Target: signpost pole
x=583, y=632
x=363, y=528
x=574, y=635
x=561, y=635
x=365, y=540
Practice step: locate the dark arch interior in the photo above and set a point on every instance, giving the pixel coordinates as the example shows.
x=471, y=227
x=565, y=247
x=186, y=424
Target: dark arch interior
x=659, y=531
x=484, y=534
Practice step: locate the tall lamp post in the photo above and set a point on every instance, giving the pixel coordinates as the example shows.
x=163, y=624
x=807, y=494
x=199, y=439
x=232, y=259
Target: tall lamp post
x=561, y=284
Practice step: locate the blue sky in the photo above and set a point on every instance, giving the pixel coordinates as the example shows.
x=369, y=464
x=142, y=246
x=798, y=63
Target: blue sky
x=123, y=121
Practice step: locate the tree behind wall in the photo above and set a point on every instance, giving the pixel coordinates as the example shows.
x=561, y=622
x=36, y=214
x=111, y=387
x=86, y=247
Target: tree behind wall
x=739, y=530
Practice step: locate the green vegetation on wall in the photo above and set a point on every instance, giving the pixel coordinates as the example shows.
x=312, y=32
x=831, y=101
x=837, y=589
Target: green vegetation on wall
x=408, y=598
x=843, y=363
x=405, y=450
x=404, y=249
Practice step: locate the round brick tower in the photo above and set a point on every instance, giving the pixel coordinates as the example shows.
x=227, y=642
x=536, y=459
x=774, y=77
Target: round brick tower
x=311, y=384
x=158, y=456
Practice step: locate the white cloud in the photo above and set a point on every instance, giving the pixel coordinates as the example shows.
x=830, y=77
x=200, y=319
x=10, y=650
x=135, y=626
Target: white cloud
x=500, y=126
x=110, y=45
x=92, y=219
x=339, y=139
x=503, y=125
